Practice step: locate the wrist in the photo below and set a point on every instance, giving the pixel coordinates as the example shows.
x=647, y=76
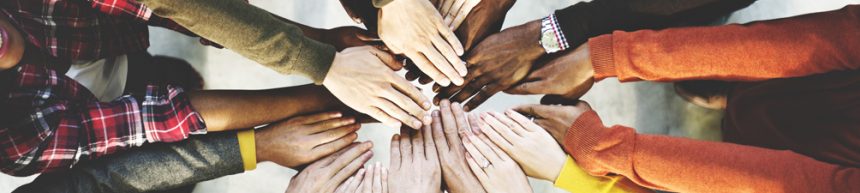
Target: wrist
x=259, y=141
x=532, y=32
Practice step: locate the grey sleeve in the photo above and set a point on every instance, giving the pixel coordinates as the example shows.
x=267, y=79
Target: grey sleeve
x=152, y=167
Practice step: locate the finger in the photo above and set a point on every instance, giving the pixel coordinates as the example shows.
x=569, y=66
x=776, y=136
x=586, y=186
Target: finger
x=384, y=180
x=503, y=156
x=429, y=145
x=476, y=169
x=531, y=87
x=452, y=57
x=330, y=124
x=350, y=156
x=387, y=58
x=482, y=96
x=418, y=145
x=352, y=167
x=533, y=110
x=473, y=150
x=527, y=124
x=495, y=137
x=395, y=160
x=330, y=147
x=377, y=178
x=455, y=9
x=483, y=148
x=343, y=188
x=395, y=111
x=453, y=42
x=446, y=7
x=442, y=64
x=314, y=118
x=428, y=68
x=406, y=146
x=359, y=179
x=511, y=124
x=464, y=13
x=474, y=87
x=448, y=92
x=462, y=120
x=383, y=117
x=450, y=125
x=367, y=184
x=408, y=105
x=334, y=134
x=410, y=90
x=438, y=134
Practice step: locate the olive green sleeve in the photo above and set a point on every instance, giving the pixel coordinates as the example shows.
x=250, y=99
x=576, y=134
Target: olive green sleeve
x=252, y=32
x=380, y=3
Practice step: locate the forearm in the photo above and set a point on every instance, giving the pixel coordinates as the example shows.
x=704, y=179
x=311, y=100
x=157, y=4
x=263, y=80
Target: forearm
x=589, y=19
x=155, y=167
x=251, y=32
x=232, y=109
x=686, y=165
x=818, y=43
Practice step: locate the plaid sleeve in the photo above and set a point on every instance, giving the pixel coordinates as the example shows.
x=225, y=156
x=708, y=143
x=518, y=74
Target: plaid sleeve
x=52, y=122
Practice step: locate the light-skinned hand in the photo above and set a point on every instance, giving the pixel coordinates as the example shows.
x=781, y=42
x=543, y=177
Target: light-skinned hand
x=303, y=139
x=414, y=163
x=496, y=64
x=448, y=122
x=526, y=142
x=360, y=78
x=415, y=28
x=371, y=179
x=500, y=173
x=570, y=76
x=454, y=12
x=326, y=174
x=555, y=119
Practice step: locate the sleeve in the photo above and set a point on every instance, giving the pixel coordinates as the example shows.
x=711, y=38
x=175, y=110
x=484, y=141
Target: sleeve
x=54, y=122
x=589, y=19
x=573, y=179
x=153, y=167
x=790, y=47
x=252, y=32
x=686, y=165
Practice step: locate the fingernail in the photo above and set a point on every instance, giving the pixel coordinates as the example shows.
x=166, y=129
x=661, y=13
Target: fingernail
x=337, y=115
x=361, y=171
x=458, y=81
x=428, y=119
x=367, y=144
x=416, y=124
x=396, y=137
x=427, y=105
x=348, y=121
x=436, y=113
x=396, y=125
x=466, y=108
x=378, y=165
x=444, y=82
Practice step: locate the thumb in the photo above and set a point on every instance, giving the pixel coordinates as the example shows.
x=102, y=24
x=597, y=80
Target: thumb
x=533, y=87
x=366, y=36
x=533, y=110
x=387, y=58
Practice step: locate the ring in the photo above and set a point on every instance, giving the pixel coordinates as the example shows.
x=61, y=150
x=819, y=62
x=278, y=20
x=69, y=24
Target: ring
x=531, y=118
x=485, y=165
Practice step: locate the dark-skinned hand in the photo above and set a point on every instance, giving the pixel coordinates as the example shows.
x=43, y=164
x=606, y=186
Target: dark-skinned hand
x=556, y=119
x=569, y=76
x=304, y=139
x=496, y=64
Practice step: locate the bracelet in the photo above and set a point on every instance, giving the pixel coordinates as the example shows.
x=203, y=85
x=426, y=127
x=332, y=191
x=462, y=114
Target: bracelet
x=552, y=39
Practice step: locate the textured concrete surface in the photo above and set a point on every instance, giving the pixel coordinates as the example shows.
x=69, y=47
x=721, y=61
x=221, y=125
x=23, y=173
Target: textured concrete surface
x=649, y=107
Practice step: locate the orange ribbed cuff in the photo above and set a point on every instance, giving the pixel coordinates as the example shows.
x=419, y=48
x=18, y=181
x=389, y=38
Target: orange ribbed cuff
x=602, y=59
x=584, y=133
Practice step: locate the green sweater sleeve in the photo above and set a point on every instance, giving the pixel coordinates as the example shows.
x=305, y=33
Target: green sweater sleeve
x=252, y=32
x=380, y=3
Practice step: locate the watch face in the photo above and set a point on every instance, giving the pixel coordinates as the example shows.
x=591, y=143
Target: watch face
x=548, y=41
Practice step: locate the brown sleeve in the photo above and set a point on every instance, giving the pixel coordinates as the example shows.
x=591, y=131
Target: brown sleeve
x=791, y=47
x=686, y=165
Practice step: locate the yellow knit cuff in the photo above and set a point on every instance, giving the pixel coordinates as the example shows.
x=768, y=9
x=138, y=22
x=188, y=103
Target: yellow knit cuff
x=248, y=149
x=573, y=179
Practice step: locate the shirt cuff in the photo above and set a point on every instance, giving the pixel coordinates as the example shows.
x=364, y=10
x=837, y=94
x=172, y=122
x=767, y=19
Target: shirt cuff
x=248, y=149
x=602, y=57
x=167, y=115
x=573, y=179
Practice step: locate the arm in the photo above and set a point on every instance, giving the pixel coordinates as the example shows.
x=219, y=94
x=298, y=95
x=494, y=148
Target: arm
x=251, y=32
x=817, y=43
x=153, y=167
x=685, y=165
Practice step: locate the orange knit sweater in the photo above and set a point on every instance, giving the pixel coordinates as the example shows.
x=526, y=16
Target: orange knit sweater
x=793, y=47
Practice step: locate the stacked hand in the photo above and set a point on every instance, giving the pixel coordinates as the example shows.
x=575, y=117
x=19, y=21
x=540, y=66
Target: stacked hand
x=372, y=179
x=447, y=125
x=360, y=79
x=414, y=163
x=496, y=171
x=326, y=174
x=526, y=142
x=569, y=76
x=301, y=140
x=556, y=119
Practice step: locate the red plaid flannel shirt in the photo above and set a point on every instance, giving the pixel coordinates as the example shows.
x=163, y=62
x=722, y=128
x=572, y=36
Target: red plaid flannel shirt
x=49, y=121
x=73, y=30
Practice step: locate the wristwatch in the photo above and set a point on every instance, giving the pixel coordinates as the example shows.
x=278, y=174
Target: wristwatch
x=552, y=39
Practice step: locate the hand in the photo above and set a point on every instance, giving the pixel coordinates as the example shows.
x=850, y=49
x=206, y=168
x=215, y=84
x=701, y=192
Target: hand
x=326, y=174
x=455, y=11
x=570, y=75
x=359, y=78
x=529, y=144
x=304, y=139
x=415, y=28
x=486, y=18
x=414, y=163
x=350, y=36
x=373, y=179
x=446, y=128
x=496, y=64
x=555, y=119
x=499, y=173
